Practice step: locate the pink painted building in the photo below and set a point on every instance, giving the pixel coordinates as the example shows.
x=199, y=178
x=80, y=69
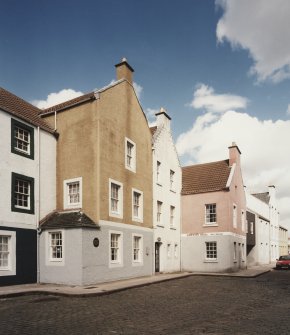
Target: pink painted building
x=214, y=216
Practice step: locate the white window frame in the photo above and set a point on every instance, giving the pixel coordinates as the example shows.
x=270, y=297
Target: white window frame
x=20, y=139
x=10, y=269
x=235, y=216
x=172, y=216
x=22, y=196
x=66, y=201
x=119, y=212
x=52, y=260
x=209, y=245
x=130, y=155
x=119, y=261
x=138, y=261
x=159, y=212
x=208, y=214
x=138, y=218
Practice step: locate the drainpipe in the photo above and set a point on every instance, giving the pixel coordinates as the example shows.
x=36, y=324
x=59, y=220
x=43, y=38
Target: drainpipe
x=37, y=209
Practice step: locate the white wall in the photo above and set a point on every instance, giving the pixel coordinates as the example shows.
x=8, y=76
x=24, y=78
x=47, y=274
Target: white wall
x=47, y=173
x=266, y=249
x=194, y=253
x=85, y=264
x=11, y=162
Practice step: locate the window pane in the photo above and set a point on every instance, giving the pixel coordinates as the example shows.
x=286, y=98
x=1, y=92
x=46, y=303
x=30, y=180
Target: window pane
x=115, y=247
x=21, y=193
x=22, y=139
x=56, y=245
x=74, y=192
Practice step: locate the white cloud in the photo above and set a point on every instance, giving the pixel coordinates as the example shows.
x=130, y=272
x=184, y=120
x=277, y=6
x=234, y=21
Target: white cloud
x=264, y=146
x=57, y=98
x=262, y=28
x=150, y=114
x=138, y=90
x=205, y=97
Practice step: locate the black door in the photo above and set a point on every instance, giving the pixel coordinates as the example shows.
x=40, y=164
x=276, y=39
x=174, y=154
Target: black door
x=157, y=257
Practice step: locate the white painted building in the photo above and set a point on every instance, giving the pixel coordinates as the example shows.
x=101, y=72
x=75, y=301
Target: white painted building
x=258, y=231
x=27, y=179
x=263, y=227
x=167, y=180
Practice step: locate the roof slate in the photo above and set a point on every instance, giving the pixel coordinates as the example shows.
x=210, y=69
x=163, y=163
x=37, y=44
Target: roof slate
x=20, y=108
x=69, y=103
x=76, y=219
x=208, y=177
x=265, y=197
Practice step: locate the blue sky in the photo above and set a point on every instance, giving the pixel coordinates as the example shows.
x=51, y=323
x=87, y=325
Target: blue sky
x=220, y=68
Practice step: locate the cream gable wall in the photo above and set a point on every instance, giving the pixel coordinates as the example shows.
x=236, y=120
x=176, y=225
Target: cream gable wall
x=164, y=152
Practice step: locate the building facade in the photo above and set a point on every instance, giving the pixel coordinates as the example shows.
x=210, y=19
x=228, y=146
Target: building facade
x=258, y=231
x=269, y=198
x=283, y=241
x=102, y=228
x=27, y=146
x=166, y=196
x=214, y=216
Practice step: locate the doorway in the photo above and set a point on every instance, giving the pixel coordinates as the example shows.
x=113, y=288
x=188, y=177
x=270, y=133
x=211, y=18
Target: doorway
x=157, y=257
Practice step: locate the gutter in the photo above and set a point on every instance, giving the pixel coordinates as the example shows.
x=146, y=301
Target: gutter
x=68, y=106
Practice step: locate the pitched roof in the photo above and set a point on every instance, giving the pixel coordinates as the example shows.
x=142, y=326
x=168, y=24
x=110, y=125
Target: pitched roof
x=75, y=219
x=16, y=106
x=208, y=177
x=69, y=103
x=265, y=197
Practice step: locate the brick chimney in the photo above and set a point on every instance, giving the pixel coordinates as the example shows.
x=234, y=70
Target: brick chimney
x=234, y=154
x=124, y=71
x=163, y=119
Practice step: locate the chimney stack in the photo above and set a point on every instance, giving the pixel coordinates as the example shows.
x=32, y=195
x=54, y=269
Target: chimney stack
x=163, y=119
x=234, y=154
x=124, y=71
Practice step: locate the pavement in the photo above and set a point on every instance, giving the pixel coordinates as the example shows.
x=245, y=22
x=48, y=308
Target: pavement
x=120, y=285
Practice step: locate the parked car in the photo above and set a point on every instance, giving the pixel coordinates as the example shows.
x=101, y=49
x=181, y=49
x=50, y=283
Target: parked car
x=283, y=262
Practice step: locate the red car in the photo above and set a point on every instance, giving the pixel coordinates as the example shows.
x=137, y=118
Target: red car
x=283, y=262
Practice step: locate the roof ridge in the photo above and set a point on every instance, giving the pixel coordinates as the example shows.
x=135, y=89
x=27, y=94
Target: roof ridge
x=208, y=163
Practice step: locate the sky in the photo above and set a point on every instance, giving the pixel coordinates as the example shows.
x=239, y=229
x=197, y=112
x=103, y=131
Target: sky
x=220, y=68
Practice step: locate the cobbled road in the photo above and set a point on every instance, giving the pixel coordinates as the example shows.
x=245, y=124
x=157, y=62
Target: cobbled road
x=193, y=305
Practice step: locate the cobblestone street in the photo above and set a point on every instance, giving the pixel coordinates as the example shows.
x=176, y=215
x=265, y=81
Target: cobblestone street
x=192, y=305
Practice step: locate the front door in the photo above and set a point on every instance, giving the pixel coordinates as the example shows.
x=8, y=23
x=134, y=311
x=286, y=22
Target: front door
x=157, y=257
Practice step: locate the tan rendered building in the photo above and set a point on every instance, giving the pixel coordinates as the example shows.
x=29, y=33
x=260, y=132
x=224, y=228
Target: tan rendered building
x=102, y=229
